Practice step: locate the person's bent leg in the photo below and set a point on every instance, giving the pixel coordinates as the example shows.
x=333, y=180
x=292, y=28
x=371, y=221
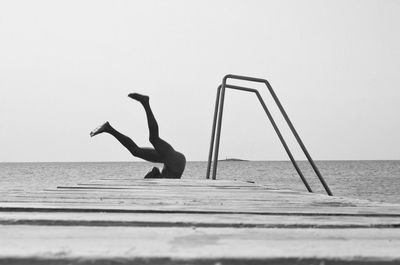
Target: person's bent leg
x=174, y=161
x=160, y=145
x=151, y=120
x=147, y=154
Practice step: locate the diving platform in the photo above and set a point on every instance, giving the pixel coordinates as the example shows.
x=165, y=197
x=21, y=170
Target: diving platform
x=169, y=221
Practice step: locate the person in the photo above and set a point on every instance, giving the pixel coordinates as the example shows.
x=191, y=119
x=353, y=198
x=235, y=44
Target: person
x=174, y=162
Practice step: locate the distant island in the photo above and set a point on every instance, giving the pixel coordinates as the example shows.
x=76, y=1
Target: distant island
x=232, y=160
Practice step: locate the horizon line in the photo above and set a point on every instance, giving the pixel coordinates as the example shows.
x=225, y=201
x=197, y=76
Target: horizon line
x=222, y=160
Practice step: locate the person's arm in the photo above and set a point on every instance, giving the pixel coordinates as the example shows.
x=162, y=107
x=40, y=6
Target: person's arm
x=154, y=173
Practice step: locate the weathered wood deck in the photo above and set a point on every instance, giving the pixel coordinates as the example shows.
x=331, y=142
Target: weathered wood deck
x=193, y=221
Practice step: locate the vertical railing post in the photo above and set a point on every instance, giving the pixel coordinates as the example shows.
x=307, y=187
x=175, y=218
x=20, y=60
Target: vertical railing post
x=220, y=113
x=213, y=132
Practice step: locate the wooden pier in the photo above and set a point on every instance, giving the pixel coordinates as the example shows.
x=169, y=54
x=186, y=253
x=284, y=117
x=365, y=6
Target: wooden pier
x=114, y=221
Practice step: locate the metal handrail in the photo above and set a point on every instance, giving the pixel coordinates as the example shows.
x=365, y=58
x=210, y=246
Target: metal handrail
x=216, y=128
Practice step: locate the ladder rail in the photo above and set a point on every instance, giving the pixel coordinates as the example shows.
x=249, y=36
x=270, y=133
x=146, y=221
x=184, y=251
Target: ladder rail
x=285, y=146
x=213, y=132
x=218, y=127
x=217, y=124
x=299, y=141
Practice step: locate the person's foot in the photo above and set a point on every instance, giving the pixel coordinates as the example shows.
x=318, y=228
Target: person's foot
x=102, y=128
x=141, y=98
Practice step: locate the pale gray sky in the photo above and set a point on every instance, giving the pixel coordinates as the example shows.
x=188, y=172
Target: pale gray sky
x=67, y=66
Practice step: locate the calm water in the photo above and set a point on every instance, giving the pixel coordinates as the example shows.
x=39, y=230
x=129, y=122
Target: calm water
x=374, y=180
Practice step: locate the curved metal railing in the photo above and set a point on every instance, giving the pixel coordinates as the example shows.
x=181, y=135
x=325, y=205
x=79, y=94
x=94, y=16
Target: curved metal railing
x=217, y=122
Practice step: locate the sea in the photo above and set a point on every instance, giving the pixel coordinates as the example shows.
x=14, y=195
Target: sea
x=371, y=180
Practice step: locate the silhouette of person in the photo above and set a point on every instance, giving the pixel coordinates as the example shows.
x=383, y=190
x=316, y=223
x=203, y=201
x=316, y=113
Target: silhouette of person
x=174, y=162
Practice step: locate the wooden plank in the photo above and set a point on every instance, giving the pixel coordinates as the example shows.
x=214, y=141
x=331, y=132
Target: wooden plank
x=173, y=197
x=205, y=209
x=132, y=243
x=272, y=197
x=195, y=220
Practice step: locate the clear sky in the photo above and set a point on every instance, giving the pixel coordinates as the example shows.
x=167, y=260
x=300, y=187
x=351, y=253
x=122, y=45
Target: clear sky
x=67, y=66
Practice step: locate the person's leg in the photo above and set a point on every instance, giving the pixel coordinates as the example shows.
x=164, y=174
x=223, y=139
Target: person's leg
x=163, y=147
x=147, y=154
x=174, y=161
